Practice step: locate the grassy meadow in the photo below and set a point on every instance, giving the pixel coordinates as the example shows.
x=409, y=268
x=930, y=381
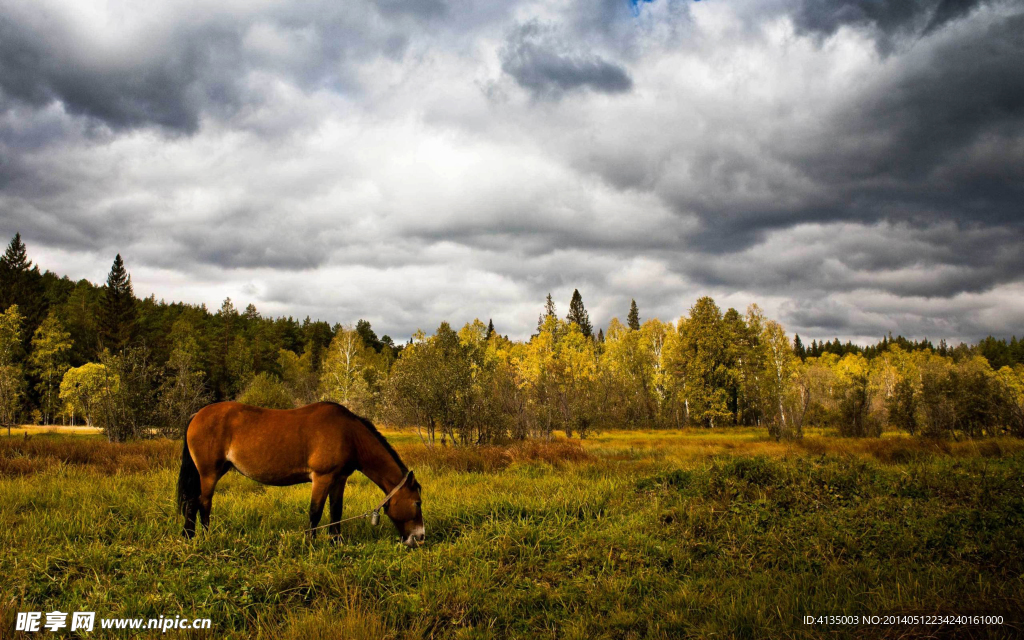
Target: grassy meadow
x=625, y=535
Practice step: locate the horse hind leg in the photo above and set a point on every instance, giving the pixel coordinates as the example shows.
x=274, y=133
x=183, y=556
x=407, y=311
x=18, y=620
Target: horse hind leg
x=208, y=483
x=191, y=509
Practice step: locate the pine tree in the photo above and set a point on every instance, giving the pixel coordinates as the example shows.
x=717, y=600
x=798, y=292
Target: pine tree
x=600, y=335
x=368, y=335
x=118, y=313
x=798, y=348
x=549, y=310
x=578, y=314
x=21, y=284
x=633, y=319
x=14, y=269
x=490, y=328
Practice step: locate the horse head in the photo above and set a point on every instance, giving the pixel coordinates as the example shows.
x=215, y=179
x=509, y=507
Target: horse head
x=405, y=509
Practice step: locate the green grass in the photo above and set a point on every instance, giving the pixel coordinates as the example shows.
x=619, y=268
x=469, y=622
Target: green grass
x=654, y=534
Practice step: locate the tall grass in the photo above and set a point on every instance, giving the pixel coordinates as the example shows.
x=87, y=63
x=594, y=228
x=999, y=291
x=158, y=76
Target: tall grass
x=627, y=536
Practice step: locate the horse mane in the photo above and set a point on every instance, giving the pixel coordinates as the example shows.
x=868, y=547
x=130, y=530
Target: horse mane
x=376, y=434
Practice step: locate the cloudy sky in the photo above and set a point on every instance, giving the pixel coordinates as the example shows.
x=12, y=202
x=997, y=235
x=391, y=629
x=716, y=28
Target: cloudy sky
x=853, y=166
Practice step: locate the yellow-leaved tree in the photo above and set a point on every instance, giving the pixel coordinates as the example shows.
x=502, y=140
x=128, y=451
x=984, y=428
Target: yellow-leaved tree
x=341, y=376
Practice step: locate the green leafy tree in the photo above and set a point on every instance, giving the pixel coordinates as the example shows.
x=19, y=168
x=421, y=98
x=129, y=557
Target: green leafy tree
x=746, y=363
x=12, y=378
x=578, y=314
x=973, y=388
x=780, y=366
x=118, y=314
x=902, y=406
x=128, y=409
x=79, y=313
x=431, y=387
x=266, y=390
x=82, y=389
x=697, y=362
x=936, y=403
x=241, y=364
x=49, y=360
x=1011, y=381
x=183, y=391
x=298, y=376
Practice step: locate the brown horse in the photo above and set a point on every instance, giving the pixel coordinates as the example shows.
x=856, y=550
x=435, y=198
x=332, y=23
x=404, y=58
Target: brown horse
x=322, y=443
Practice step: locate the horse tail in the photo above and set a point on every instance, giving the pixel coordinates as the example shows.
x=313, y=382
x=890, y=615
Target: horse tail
x=188, y=478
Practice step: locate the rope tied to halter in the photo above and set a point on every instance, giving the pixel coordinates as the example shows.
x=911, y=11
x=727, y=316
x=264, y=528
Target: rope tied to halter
x=374, y=513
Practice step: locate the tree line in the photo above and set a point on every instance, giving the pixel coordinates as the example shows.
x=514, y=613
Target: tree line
x=80, y=353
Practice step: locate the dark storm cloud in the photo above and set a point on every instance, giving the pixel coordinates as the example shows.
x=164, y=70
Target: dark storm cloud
x=939, y=140
x=174, y=75
x=930, y=118
x=428, y=160
x=41, y=62
x=888, y=18
x=542, y=67
x=910, y=261
x=421, y=9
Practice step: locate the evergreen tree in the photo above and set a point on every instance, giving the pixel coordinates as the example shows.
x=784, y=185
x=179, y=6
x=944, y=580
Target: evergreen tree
x=117, y=314
x=368, y=336
x=490, y=328
x=21, y=284
x=224, y=330
x=798, y=348
x=633, y=319
x=600, y=335
x=14, y=270
x=578, y=314
x=549, y=311
x=699, y=358
x=317, y=335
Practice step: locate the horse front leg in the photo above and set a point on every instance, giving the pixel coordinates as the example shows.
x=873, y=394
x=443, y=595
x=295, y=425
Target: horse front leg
x=321, y=487
x=337, y=495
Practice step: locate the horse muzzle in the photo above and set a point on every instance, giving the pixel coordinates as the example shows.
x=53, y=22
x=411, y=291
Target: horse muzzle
x=415, y=539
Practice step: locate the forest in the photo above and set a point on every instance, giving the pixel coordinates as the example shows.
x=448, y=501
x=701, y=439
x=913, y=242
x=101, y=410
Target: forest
x=77, y=353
